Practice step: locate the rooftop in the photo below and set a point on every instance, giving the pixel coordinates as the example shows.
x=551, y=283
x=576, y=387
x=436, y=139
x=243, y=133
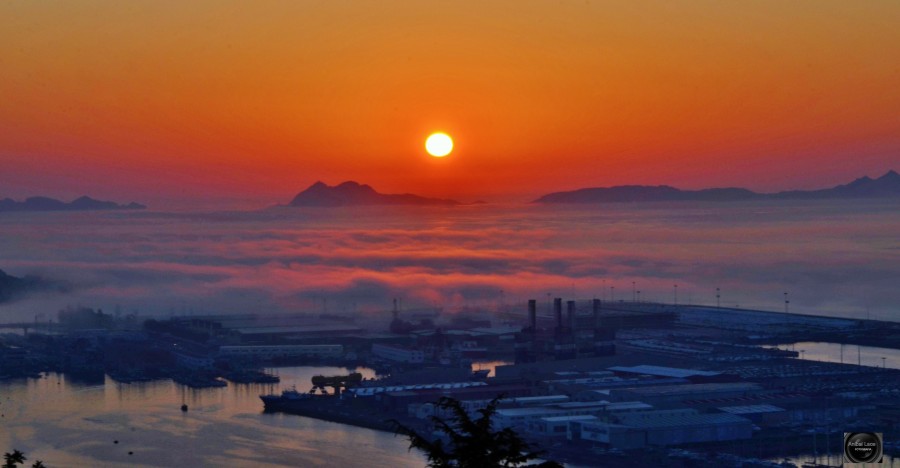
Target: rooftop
x=691, y=388
x=581, y=404
x=541, y=399
x=299, y=329
x=529, y=411
x=663, y=371
x=580, y=417
x=685, y=420
x=751, y=409
x=369, y=391
x=628, y=405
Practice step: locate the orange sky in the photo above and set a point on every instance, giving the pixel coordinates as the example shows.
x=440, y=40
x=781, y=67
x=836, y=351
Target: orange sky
x=250, y=102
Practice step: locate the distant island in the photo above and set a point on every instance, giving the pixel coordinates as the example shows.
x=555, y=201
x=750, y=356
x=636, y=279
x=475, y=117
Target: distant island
x=886, y=186
x=354, y=194
x=52, y=204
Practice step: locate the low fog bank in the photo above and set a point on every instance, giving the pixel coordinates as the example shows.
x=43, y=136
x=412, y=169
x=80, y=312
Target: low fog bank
x=832, y=259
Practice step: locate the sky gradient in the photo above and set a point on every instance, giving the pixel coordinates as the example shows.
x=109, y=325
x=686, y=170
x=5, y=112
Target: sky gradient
x=245, y=104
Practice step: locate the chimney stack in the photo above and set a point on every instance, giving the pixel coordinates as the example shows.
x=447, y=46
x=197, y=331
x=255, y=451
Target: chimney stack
x=570, y=307
x=596, y=310
x=557, y=311
x=532, y=314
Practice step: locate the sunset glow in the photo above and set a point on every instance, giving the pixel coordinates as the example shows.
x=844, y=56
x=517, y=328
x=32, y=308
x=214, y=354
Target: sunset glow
x=256, y=101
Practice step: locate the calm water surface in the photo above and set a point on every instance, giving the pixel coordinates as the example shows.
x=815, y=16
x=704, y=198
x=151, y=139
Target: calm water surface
x=869, y=356
x=65, y=423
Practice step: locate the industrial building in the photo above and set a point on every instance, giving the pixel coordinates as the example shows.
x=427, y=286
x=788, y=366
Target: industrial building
x=398, y=353
x=761, y=415
x=673, y=394
x=639, y=430
x=270, y=333
x=556, y=426
x=612, y=435
x=282, y=351
x=576, y=336
x=525, y=417
x=695, y=376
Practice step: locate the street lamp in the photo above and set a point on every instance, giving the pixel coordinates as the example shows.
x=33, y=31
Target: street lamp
x=718, y=304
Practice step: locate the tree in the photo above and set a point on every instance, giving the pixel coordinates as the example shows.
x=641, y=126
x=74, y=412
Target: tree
x=473, y=443
x=12, y=460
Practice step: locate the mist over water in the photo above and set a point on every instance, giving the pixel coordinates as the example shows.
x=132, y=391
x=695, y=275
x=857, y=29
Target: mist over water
x=832, y=257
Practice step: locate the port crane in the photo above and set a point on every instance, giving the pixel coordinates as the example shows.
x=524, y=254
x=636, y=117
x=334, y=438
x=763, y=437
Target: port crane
x=336, y=382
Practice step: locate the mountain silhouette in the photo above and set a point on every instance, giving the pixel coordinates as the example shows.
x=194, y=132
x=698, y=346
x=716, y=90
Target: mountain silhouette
x=886, y=186
x=12, y=287
x=52, y=204
x=354, y=194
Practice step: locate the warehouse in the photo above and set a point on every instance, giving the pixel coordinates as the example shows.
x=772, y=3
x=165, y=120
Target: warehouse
x=762, y=415
x=678, y=393
x=556, y=426
x=690, y=428
x=613, y=435
x=282, y=351
x=634, y=431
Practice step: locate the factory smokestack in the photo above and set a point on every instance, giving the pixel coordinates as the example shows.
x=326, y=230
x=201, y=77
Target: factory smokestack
x=595, y=308
x=570, y=309
x=557, y=311
x=532, y=314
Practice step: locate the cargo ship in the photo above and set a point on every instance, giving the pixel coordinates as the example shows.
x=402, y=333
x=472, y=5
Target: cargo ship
x=291, y=399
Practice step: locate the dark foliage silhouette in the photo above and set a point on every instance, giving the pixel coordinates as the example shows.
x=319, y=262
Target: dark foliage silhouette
x=472, y=442
x=16, y=458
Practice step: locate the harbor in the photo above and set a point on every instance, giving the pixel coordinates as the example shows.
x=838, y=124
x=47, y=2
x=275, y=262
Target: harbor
x=583, y=380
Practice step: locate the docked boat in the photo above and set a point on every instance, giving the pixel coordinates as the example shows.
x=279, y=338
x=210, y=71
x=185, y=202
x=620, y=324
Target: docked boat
x=328, y=407
x=286, y=401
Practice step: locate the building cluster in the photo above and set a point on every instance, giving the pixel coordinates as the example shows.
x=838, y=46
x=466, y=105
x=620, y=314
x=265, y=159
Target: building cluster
x=591, y=378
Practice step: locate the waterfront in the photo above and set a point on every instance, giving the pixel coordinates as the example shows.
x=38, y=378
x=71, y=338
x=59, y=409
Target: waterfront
x=867, y=356
x=69, y=424
x=328, y=277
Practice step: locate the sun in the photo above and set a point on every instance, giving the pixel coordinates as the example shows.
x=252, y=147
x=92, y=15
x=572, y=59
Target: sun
x=439, y=145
